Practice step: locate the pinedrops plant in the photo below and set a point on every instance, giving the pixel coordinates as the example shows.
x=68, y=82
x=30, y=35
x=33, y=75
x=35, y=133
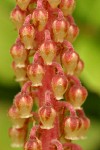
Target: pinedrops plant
x=51, y=93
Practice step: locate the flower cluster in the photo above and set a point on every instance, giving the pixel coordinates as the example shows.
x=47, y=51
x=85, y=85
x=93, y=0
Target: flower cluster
x=47, y=68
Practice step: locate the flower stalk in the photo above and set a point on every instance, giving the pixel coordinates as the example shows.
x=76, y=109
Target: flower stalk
x=51, y=95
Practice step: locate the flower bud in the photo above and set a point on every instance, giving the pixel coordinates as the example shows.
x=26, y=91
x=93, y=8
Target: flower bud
x=27, y=35
x=33, y=144
x=40, y=16
x=69, y=61
x=67, y=6
x=54, y=3
x=20, y=73
x=60, y=28
x=24, y=104
x=79, y=68
x=59, y=85
x=19, y=54
x=17, y=16
x=48, y=49
x=35, y=73
x=73, y=32
x=23, y=3
x=17, y=136
x=85, y=124
x=77, y=95
x=47, y=116
x=71, y=127
x=15, y=117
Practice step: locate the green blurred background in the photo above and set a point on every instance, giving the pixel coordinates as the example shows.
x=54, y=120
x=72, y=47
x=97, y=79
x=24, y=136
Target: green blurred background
x=87, y=16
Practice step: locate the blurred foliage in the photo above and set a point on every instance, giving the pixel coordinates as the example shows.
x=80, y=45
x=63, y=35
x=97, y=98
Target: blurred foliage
x=87, y=16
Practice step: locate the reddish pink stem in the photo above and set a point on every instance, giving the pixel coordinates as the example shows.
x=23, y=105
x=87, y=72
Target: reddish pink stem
x=34, y=131
x=48, y=135
x=47, y=97
x=67, y=106
x=47, y=35
x=26, y=87
x=58, y=67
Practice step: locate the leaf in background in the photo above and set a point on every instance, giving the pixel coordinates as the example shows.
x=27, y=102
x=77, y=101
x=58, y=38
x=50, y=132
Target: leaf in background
x=88, y=11
x=89, y=51
x=87, y=15
x=7, y=38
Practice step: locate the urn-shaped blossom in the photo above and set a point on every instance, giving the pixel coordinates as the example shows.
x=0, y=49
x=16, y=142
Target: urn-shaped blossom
x=69, y=61
x=17, y=136
x=39, y=16
x=47, y=116
x=33, y=144
x=48, y=49
x=17, y=122
x=17, y=16
x=79, y=68
x=35, y=73
x=60, y=28
x=19, y=54
x=59, y=86
x=20, y=73
x=27, y=35
x=71, y=128
x=67, y=6
x=73, y=32
x=84, y=126
x=77, y=95
x=24, y=103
